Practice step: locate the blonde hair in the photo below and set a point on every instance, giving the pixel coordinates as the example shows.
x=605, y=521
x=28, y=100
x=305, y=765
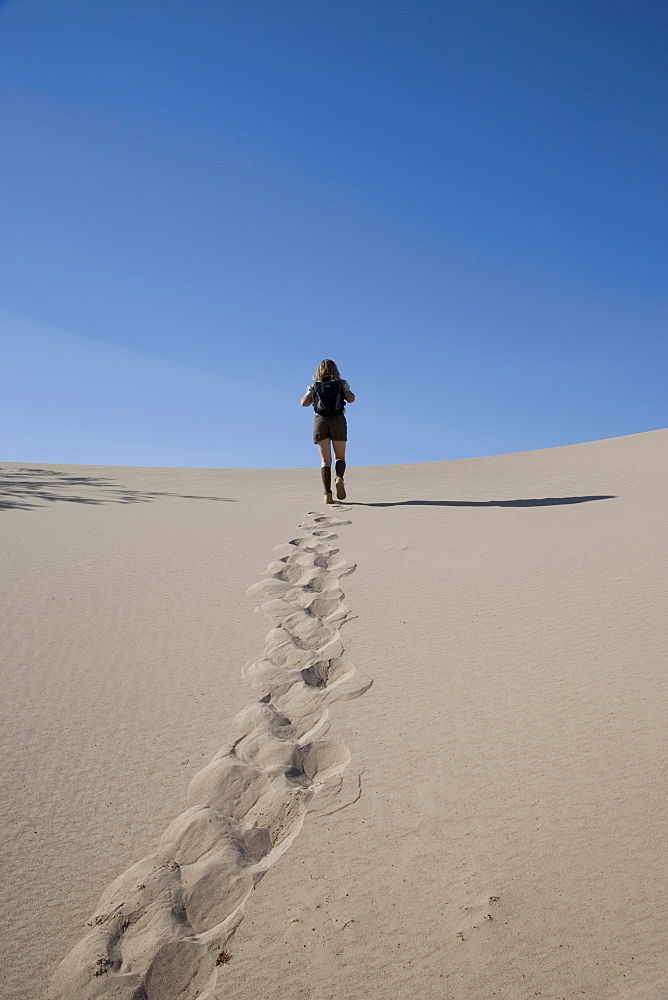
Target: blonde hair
x=326, y=368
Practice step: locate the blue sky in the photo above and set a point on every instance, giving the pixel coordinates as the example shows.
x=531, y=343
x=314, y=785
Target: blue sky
x=463, y=203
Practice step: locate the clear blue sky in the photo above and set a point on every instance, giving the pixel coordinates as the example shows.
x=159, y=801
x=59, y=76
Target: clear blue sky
x=463, y=202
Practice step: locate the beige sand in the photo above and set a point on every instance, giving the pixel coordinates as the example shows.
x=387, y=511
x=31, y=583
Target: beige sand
x=487, y=819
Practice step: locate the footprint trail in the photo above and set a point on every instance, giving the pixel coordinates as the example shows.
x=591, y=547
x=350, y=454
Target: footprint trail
x=160, y=930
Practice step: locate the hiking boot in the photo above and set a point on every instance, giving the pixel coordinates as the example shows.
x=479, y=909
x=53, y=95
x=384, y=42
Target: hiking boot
x=340, y=488
x=328, y=498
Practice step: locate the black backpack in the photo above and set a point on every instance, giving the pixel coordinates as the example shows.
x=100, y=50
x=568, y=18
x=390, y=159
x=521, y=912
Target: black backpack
x=328, y=398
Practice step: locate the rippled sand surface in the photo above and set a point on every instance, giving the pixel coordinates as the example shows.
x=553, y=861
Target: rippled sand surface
x=433, y=760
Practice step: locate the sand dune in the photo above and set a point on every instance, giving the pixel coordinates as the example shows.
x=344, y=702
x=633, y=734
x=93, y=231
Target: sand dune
x=487, y=819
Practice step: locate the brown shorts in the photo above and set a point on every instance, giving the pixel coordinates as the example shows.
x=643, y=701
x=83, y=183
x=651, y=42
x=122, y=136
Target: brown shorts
x=335, y=428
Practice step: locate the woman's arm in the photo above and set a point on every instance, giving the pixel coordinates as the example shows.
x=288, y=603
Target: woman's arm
x=307, y=399
x=348, y=396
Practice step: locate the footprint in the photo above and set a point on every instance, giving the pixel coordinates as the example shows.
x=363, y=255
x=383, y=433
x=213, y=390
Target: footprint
x=329, y=674
x=476, y=916
x=160, y=928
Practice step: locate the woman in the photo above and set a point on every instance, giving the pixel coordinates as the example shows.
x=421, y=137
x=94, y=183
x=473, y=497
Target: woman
x=328, y=395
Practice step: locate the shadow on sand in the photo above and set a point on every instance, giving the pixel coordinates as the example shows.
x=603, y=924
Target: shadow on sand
x=544, y=502
x=27, y=488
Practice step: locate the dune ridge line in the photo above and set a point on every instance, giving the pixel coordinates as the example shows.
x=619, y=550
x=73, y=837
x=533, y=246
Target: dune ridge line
x=160, y=930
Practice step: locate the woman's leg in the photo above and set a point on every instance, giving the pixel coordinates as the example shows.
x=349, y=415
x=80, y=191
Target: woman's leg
x=340, y=450
x=340, y=456
x=325, y=449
